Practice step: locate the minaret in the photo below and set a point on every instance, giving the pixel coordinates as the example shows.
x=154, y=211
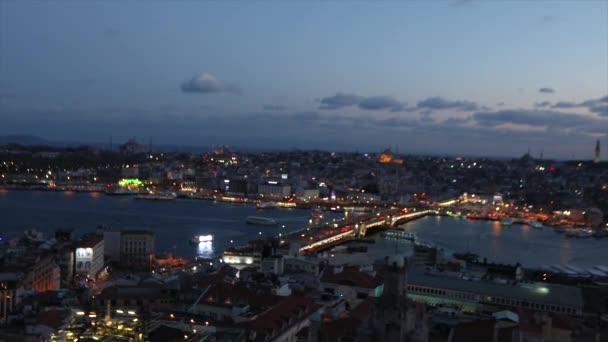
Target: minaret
x=597, y=152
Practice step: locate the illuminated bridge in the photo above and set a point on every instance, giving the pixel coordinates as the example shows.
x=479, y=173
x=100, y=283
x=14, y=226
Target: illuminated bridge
x=349, y=229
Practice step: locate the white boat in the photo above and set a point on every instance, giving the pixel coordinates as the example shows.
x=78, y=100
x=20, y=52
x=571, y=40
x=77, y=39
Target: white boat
x=536, y=224
x=506, y=221
x=261, y=221
x=266, y=205
x=158, y=196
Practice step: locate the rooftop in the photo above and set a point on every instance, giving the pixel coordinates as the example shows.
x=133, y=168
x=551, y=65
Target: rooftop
x=350, y=276
x=90, y=240
x=551, y=294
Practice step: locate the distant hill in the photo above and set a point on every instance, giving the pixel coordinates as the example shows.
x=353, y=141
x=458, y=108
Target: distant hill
x=23, y=140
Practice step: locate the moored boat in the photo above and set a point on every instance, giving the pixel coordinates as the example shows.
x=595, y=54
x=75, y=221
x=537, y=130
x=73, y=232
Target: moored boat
x=158, y=196
x=506, y=221
x=266, y=205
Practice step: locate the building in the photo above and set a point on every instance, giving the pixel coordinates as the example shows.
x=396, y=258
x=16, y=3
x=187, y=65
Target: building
x=307, y=194
x=136, y=249
x=479, y=296
x=284, y=320
x=112, y=245
x=389, y=318
x=43, y=275
x=351, y=282
x=597, y=152
x=10, y=290
x=274, y=189
x=243, y=257
x=90, y=255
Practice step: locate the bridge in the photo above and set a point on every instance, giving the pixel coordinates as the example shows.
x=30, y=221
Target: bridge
x=315, y=240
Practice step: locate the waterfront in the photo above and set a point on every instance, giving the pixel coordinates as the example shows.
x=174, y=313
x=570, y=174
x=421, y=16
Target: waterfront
x=175, y=222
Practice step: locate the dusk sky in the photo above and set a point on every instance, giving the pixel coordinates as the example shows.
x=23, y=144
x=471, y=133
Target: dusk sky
x=492, y=78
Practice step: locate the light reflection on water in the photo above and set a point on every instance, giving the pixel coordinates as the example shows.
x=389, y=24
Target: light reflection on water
x=205, y=249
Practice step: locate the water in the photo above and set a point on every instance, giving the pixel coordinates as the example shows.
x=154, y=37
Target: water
x=507, y=244
x=175, y=222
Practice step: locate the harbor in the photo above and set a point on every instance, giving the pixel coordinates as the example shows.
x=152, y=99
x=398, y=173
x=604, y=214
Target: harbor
x=176, y=222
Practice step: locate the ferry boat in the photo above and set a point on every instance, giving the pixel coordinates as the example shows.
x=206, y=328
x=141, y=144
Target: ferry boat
x=261, y=221
x=201, y=239
x=121, y=192
x=266, y=205
x=506, y=221
x=158, y=196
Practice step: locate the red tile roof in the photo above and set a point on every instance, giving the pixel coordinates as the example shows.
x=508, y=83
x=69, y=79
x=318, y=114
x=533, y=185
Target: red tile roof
x=474, y=331
x=54, y=319
x=230, y=295
x=351, y=276
x=284, y=314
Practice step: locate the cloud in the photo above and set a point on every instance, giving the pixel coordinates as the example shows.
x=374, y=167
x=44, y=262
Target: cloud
x=272, y=107
x=457, y=121
x=381, y=103
x=600, y=110
x=500, y=104
x=548, y=119
x=597, y=106
x=341, y=100
x=439, y=103
x=206, y=83
x=546, y=90
x=425, y=116
x=542, y=104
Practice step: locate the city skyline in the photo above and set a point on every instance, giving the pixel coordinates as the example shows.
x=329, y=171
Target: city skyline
x=453, y=77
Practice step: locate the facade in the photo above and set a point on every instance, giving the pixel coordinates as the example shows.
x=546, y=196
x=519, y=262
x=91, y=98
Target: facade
x=137, y=248
x=284, y=264
x=90, y=255
x=242, y=258
x=111, y=246
x=307, y=194
x=350, y=282
x=66, y=259
x=44, y=274
x=274, y=190
x=9, y=294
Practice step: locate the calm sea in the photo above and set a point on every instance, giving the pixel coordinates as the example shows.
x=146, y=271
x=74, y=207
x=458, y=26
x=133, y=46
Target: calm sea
x=176, y=222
